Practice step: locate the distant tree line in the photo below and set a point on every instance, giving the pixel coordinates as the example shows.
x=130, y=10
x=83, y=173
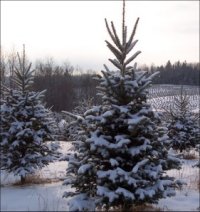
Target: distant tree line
x=178, y=73
x=68, y=86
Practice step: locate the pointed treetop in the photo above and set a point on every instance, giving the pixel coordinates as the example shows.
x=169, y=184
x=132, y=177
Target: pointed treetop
x=23, y=73
x=123, y=16
x=122, y=48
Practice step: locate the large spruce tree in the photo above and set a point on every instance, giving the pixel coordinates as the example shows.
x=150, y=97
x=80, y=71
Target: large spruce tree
x=122, y=156
x=26, y=126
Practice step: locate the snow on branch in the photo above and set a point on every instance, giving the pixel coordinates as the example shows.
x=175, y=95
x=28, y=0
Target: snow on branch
x=77, y=117
x=139, y=164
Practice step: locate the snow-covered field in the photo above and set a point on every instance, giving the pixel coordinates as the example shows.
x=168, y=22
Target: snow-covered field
x=164, y=103
x=157, y=90
x=48, y=196
x=162, y=96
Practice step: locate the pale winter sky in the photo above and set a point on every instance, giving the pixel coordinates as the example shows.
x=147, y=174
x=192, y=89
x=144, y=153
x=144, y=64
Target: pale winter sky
x=75, y=30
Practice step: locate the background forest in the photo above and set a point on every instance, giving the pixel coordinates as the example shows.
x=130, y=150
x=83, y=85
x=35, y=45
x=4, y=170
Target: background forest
x=75, y=84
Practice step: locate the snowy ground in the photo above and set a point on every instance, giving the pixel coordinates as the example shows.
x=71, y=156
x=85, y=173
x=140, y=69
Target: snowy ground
x=162, y=96
x=36, y=197
x=48, y=196
x=186, y=199
x=165, y=102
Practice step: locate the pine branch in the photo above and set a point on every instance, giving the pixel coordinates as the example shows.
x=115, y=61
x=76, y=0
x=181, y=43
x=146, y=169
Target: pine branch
x=28, y=69
x=116, y=36
x=76, y=117
x=153, y=75
x=130, y=47
x=109, y=83
x=133, y=32
x=107, y=69
x=116, y=64
x=144, y=86
x=132, y=57
x=114, y=51
x=142, y=75
x=111, y=35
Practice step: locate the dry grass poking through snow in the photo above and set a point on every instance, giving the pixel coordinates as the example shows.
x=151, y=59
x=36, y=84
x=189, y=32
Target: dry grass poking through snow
x=189, y=174
x=194, y=183
x=36, y=179
x=192, y=155
x=145, y=207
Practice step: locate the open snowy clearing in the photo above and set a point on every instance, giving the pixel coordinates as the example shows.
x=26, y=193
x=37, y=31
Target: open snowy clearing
x=48, y=196
x=161, y=97
x=161, y=90
x=165, y=102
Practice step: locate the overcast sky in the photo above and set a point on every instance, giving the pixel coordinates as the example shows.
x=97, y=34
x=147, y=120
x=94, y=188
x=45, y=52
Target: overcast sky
x=75, y=30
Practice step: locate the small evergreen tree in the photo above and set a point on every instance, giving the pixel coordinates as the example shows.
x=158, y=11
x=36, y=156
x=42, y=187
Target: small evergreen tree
x=26, y=125
x=183, y=126
x=122, y=155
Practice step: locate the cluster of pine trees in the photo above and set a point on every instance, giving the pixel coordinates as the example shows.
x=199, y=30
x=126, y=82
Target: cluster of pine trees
x=177, y=74
x=121, y=146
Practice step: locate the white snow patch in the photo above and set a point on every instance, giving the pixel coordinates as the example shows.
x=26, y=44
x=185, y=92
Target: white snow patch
x=84, y=168
x=48, y=197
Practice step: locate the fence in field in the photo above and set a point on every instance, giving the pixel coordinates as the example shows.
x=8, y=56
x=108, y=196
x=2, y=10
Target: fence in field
x=162, y=96
x=172, y=90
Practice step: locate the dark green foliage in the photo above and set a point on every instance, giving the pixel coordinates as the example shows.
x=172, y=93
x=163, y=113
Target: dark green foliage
x=26, y=126
x=122, y=154
x=182, y=124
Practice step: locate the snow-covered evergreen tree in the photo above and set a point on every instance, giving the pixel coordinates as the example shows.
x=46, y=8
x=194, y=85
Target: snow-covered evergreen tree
x=122, y=156
x=26, y=126
x=183, y=125
x=72, y=125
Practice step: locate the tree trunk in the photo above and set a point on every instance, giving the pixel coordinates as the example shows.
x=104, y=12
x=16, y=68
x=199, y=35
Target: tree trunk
x=23, y=179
